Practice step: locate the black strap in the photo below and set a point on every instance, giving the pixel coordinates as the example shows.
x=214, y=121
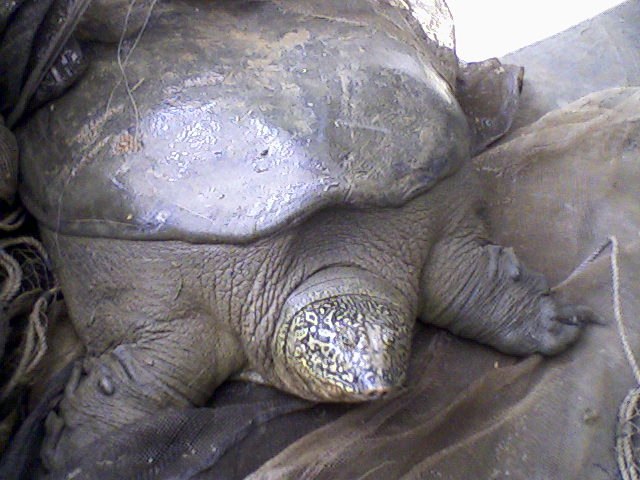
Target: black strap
x=46, y=61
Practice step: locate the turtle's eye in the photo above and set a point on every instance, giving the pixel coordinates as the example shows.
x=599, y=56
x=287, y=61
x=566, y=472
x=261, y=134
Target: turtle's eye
x=348, y=340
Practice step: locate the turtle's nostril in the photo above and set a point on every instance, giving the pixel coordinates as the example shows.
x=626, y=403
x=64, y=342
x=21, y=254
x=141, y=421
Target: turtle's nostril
x=377, y=393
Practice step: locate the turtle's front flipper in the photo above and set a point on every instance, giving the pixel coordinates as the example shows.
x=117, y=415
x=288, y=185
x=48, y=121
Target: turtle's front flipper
x=162, y=369
x=150, y=343
x=481, y=291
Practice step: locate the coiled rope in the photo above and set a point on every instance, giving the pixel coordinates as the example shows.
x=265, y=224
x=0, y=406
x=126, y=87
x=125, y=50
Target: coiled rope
x=627, y=431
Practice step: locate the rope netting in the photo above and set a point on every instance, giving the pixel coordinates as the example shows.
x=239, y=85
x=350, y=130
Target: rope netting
x=27, y=290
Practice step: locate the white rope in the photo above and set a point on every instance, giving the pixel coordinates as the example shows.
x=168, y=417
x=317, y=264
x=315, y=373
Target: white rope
x=617, y=305
x=617, y=309
x=590, y=259
x=34, y=345
x=628, y=412
x=625, y=433
x=122, y=64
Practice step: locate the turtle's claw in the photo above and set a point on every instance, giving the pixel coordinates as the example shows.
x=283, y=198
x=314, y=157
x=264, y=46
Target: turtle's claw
x=578, y=315
x=74, y=380
x=55, y=425
x=504, y=260
x=563, y=327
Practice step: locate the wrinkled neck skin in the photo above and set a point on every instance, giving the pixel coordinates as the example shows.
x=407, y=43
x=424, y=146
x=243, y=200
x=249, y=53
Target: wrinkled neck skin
x=341, y=328
x=316, y=321
x=324, y=310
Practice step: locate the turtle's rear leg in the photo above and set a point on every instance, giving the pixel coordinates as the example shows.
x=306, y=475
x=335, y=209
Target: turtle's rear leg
x=150, y=343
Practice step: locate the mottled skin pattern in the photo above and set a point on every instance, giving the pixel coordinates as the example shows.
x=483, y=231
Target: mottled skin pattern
x=166, y=322
x=330, y=346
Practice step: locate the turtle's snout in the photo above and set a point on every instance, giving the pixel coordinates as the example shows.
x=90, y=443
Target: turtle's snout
x=376, y=394
x=379, y=387
x=344, y=348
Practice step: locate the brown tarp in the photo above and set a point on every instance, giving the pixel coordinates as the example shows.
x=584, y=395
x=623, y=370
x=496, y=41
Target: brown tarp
x=558, y=189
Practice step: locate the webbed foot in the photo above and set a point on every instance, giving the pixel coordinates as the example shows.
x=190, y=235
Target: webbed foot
x=491, y=297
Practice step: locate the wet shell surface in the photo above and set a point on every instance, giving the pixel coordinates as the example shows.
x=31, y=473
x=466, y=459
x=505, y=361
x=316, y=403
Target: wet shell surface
x=236, y=119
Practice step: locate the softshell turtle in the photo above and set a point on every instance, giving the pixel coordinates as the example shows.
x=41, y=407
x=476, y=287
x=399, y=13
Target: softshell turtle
x=281, y=192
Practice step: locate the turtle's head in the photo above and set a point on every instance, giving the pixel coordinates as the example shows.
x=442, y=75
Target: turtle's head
x=347, y=346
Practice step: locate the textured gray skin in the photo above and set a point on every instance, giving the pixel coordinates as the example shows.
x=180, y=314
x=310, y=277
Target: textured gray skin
x=171, y=305
x=174, y=321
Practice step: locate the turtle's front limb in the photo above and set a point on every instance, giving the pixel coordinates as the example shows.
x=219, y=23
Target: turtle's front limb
x=481, y=291
x=150, y=344
x=173, y=367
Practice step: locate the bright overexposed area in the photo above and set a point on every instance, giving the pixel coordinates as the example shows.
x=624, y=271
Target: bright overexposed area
x=491, y=28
